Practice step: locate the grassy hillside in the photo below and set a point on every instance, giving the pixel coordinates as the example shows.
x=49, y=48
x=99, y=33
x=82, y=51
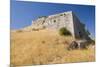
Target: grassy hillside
x=45, y=47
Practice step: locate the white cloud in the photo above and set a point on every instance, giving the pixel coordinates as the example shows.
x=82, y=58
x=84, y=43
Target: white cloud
x=85, y=2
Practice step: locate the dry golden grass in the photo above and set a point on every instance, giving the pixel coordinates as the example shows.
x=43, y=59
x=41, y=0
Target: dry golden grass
x=45, y=47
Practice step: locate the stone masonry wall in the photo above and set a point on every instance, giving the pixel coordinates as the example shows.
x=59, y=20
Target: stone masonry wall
x=57, y=21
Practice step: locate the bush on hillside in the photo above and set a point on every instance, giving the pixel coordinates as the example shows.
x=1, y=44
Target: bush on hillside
x=19, y=31
x=63, y=31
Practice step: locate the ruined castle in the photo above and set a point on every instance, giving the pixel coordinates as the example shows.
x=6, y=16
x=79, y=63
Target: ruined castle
x=66, y=19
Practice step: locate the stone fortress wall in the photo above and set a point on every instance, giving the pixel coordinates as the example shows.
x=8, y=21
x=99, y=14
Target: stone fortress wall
x=57, y=21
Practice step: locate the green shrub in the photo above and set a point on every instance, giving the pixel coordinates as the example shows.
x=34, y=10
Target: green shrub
x=19, y=31
x=42, y=16
x=63, y=31
x=35, y=29
x=88, y=33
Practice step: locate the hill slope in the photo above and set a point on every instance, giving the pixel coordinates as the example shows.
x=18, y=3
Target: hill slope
x=45, y=47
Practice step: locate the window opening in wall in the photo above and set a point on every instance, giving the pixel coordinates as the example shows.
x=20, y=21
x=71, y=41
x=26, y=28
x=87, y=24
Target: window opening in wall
x=54, y=20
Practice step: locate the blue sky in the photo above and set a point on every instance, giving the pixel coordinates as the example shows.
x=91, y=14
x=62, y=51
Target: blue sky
x=22, y=13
